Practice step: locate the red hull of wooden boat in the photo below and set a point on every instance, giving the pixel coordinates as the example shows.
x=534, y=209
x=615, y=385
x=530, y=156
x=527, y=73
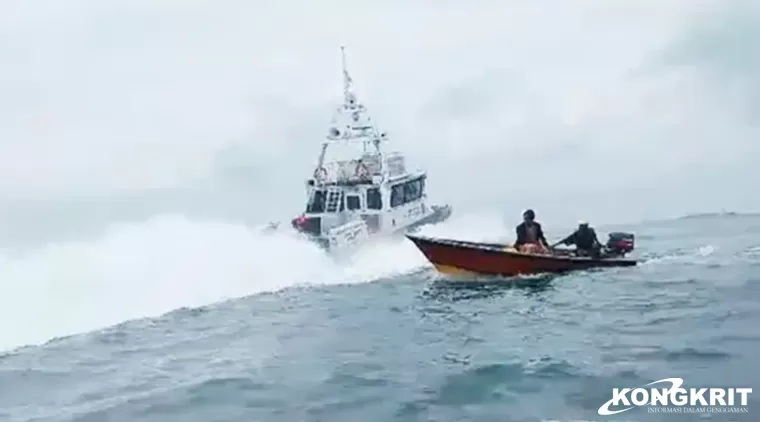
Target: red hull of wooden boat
x=460, y=257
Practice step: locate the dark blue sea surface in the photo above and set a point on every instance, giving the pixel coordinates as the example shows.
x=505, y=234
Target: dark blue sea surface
x=417, y=348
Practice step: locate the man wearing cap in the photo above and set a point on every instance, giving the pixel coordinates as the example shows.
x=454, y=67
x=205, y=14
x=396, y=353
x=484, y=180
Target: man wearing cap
x=584, y=239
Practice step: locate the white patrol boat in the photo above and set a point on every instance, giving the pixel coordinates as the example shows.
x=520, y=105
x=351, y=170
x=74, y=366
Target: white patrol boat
x=358, y=191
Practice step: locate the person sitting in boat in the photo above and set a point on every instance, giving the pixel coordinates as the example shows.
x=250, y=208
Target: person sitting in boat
x=530, y=235
x=585, y=241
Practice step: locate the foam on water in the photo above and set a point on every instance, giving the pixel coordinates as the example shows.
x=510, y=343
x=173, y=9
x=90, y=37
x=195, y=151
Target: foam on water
x=137, y=270
x=145, y=269
x=481, y=226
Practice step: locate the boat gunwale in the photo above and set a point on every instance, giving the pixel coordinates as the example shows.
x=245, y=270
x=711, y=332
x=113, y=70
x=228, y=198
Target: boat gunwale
x=500, y=248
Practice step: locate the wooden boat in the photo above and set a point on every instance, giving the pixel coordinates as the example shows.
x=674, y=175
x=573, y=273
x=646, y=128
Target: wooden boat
x=457, y=257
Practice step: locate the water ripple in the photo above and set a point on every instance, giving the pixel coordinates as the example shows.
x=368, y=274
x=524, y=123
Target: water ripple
x=411, y=348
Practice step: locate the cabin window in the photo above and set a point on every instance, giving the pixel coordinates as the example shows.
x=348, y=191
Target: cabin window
x=374, y=199
x=317, y=203
x=397, y=195
x=405, y=193
x=412, y=190
x=353, y=203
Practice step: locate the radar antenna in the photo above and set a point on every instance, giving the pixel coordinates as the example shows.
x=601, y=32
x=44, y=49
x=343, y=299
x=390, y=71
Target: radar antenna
x=349, y=98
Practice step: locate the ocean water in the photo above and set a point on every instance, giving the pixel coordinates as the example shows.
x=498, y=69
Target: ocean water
x=412, y=346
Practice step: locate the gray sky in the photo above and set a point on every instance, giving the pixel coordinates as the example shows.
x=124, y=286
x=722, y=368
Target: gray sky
x=616, y=109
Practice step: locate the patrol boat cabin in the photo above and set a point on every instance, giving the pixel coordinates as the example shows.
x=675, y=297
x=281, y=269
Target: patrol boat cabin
x=357, y=190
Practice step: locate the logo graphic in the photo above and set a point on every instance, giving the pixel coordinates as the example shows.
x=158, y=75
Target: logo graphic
x=675, y=399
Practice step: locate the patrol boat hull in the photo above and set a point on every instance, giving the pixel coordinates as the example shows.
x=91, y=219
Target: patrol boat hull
x=438, y=214
x=463, y=258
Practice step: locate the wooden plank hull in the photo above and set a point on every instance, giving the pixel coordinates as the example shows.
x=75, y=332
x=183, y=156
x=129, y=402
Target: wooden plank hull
x=453, y=257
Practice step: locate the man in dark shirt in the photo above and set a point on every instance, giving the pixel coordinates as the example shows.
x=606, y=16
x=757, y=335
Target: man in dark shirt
x=585, y=241
x=530, y=235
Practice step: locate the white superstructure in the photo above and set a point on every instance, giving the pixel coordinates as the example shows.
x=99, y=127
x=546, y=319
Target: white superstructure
x=358, y=190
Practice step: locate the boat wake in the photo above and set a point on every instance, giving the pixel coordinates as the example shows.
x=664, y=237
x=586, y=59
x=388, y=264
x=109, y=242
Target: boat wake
x=753, y=251
x=168, y=262
x=689, y=256
x=476, y=227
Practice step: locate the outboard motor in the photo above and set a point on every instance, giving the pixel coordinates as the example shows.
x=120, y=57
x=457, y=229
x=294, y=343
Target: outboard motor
x=620, y=243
